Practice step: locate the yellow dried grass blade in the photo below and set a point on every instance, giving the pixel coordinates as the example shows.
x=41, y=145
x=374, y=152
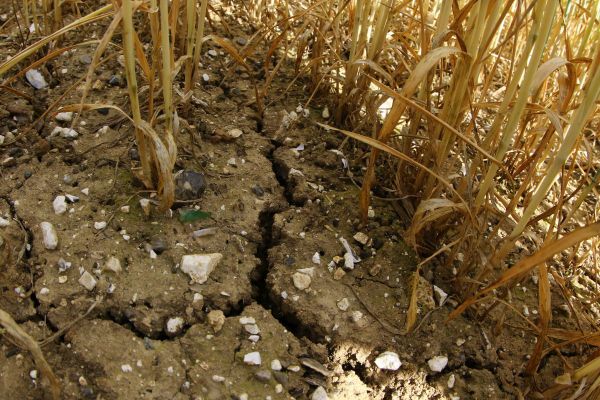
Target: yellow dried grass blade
x=411, y=314
x=23, y=54
x=377, y=145
x=527, y=264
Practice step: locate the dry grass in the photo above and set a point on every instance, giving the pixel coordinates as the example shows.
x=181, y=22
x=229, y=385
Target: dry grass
x=482, y=116
x=492, y=131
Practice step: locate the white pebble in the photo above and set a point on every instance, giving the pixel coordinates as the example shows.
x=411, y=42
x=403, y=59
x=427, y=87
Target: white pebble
x=174, y=325
x=301, y=281
x=252, y=358
x=87, y=281
x=316, y=258
x=100, y=225
x=438, y=363
x=276, y=365
x=59, y=204
x=388, y=360
x=49, y=235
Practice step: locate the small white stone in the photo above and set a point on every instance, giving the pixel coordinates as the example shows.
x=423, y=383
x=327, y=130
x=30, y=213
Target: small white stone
x=348, y=261
x=86, y=191
x=175, y=324
x=87, y=281
x=356, y=316
x=199, y=266
x=247, y=320
x=301, y=281
x=361, y=238
x=100, y=225
x=343, y=304
x=254, y=338
x=388, y=360
x=279, y=388
x=125, y=209
x=44, y=291
x=252, y=358
x=64, y=116
x=49, y=235
x=126, y=368
x=371, y=212
x=235, y=133
x=4, y=222
x=316, y=258
x=66, y=133
x=113, y=264
x=205, y=77
x=71, y=198
x=59, y=204
x=145, y=204
x=276, y=365
x=319, y=394
x=62, y=279
x=325, y=114
x=438, y=363
x=439, y=295
x=33, y=374
x=36, y=79
x=252, y=329
x=451, y=381
x=218, y=378
x=212, y=53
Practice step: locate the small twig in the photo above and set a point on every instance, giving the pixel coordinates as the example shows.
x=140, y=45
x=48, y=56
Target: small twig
x=61, y=331
x=387, y=326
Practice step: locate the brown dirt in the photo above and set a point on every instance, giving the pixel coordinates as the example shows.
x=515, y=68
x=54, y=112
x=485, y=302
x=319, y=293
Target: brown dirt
x=122, y=350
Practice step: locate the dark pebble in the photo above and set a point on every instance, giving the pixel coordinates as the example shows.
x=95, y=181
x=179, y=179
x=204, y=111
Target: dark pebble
x=189, y=185
x=16, y=152
x=336, y=222
x=289, y=261
x=148, y=344
x=87, y=392
x=134, y=154
x=257, y=190
x=377, y=243
x=241, y=41
x=115, y=80
x=159, y=244
x=27, y=174
x=85, y=59
x=263, y=375
x=281, y=377
x=103, y=111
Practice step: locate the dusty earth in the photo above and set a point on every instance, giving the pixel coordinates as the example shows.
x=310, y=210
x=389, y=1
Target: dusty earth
x=280, y=200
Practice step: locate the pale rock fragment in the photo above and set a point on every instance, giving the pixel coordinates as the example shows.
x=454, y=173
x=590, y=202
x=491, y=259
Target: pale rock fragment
x=252, y=358
x=87, y=281
x=438, y=363
x=199, y=266
x=49, y=235
x=301, y=281
x=388, y=360
x=60, y=205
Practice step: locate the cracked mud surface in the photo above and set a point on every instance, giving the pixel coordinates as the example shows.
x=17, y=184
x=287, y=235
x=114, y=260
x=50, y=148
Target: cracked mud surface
x=273, y=210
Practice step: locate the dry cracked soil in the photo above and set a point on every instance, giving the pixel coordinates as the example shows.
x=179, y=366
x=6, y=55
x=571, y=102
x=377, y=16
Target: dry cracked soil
x=278, y=318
